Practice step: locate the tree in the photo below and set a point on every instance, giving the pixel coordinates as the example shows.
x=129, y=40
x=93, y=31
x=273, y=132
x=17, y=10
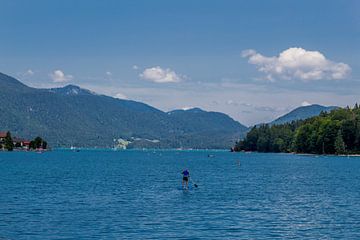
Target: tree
x=239, y=146
x=339, y=144
x=301, y=141
x=330, y=135
x=279, y=145
x=37, y=143
x=251, y=140
x=9, y=144
x=348, y=131
x=337, y=132
x=44, y=144
x=262, y=144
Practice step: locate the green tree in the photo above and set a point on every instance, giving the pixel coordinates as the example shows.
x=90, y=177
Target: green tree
x=329, y=133
x=262, y=144
x=37, y=143
x=339, y=144
x=251, y=140
x=348, y=129
x=301, y=141
x=279, y=145
x=8, y=142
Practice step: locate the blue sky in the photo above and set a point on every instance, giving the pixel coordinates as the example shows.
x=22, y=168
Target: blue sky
x=176, y=54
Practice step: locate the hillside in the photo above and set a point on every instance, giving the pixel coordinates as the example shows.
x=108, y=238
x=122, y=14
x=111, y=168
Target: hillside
x=72, y=116
x=301, y=113
x=337, y=132
x=217, y=126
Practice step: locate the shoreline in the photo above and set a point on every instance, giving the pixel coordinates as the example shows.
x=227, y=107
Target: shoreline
x=79, y=149
x=27, y=150
x=305, y=154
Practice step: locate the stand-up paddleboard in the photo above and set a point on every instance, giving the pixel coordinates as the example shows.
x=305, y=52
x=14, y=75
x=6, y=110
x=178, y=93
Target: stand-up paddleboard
x=190, y=187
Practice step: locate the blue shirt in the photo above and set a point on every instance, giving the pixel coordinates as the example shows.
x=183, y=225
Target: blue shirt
x=186, y=173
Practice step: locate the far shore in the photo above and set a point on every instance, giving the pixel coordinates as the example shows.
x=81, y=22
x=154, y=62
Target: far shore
x=78, y=149
x=307, y=154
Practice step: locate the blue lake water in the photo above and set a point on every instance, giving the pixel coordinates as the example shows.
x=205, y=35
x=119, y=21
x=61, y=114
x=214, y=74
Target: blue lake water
x=135, y=195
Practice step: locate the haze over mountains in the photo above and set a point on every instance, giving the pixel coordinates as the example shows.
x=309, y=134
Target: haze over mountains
x=72, y=116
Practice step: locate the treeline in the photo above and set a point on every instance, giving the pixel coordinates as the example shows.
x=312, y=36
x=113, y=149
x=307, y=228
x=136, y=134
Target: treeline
x=337, y=132
x=38, y=143
x=9, y=143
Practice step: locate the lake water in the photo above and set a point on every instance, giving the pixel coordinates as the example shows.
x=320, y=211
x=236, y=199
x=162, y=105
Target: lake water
x=135, y=195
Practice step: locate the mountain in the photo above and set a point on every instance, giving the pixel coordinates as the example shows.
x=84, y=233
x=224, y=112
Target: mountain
x=72, y=116
x=302, y=113
x=71, y=90
x=217, y=127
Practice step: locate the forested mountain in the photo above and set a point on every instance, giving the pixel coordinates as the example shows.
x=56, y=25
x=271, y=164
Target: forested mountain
x=337, y=132
x=194, y=123
x=72, y=116
x=302, y=113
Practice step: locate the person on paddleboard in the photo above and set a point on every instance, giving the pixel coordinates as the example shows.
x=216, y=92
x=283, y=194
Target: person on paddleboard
x=186, y=176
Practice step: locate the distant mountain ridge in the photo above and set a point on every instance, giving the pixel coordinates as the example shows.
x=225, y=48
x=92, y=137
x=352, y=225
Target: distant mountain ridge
x=196, y=122
x=302, y=113
x=199, y=120
x=72, y=90
x=72, y=116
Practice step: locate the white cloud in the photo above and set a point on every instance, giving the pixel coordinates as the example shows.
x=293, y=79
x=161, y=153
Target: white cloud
x=305, y=103
x=58, y=76
x=121, y=96
x=160, y=75
x=108, y=73
x=135, y=67
x=297, y=63
x=29, y=72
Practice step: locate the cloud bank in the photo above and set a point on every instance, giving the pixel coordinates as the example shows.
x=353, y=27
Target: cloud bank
x=160, y=75
x=58, y=76
x=297, y=63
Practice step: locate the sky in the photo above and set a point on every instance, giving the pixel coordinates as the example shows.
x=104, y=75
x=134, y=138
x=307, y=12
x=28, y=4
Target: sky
x=254, y=60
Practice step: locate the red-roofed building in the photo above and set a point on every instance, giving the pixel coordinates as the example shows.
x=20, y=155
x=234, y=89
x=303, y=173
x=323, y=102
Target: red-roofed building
x=2, y=136
x=2, y=139
x=19, y=142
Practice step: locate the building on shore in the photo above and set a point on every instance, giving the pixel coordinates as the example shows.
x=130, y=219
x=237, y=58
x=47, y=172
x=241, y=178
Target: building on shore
x=2, y=136
x=19, y=143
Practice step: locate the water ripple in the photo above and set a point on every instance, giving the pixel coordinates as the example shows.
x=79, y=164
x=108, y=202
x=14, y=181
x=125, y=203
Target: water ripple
x=134, y=195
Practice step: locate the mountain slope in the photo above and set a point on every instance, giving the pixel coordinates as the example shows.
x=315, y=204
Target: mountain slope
x=196, y=122
x=302, y=113
x=75, y=116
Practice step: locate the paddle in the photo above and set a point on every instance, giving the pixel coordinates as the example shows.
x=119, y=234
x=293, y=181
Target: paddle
x=195, y=185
